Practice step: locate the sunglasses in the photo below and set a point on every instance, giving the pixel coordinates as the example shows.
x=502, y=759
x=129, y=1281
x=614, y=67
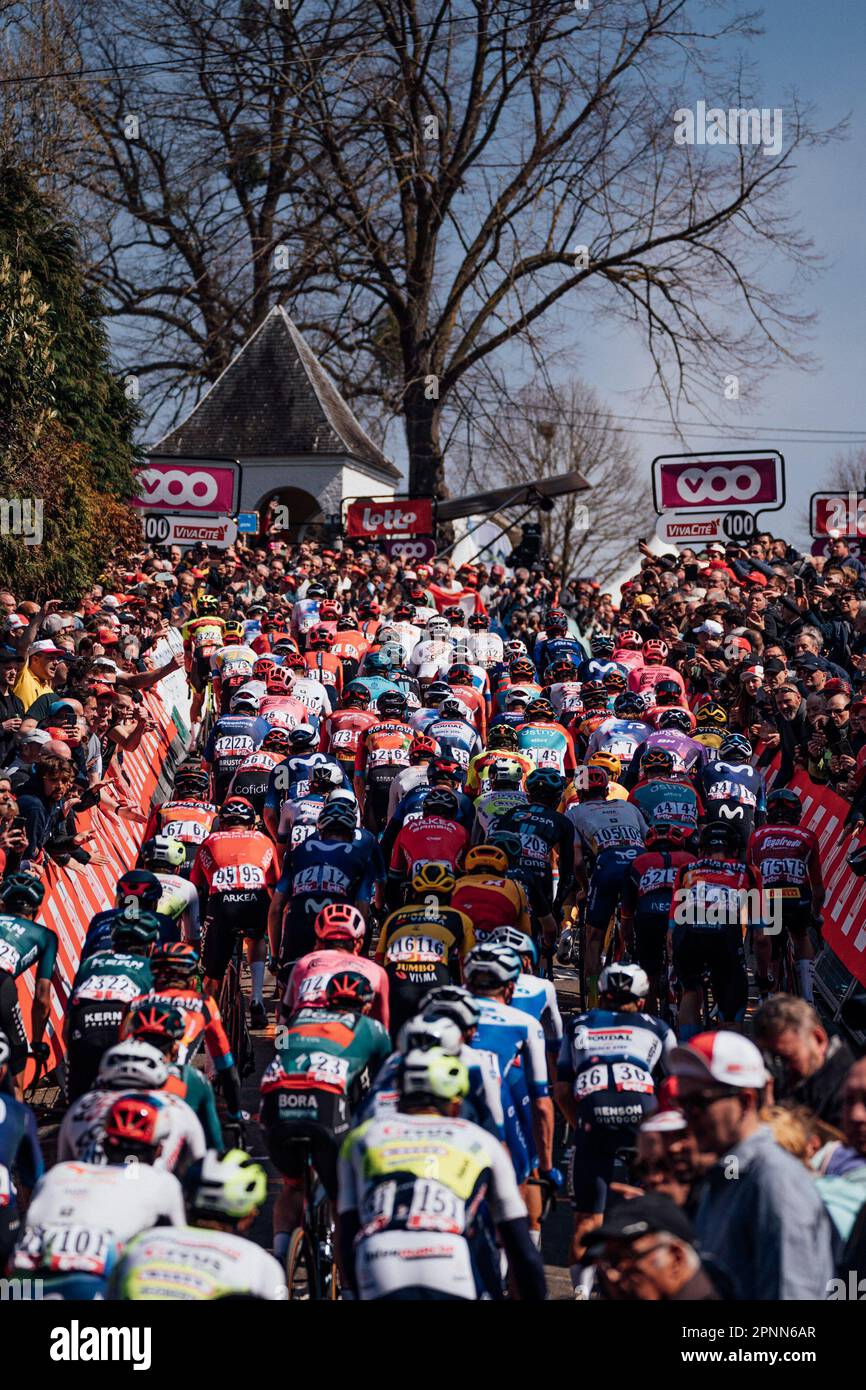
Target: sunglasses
x=704, y=1099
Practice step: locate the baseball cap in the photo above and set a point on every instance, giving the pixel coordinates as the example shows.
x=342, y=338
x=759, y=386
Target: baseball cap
x=642, y=1216
x=35, y=736
x=773, y=666
x=808, y=662
x=739, y=644
x=56, y=622
x=7, y=655
x=664, y=1122
x=643, y=601
x=47, y=648
x=106, y=636
x=755, y=577
x=711, y=628
x=725, y=1057
x=15, y=622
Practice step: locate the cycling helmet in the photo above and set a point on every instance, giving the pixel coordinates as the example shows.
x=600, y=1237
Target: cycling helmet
x=539, y=709
x=432, y=1078
x=339, y=922
x=177, y=960
x=279, y=681
x=451, y=708
x=233, y=631
x=330, y=610
x=668, y=693
x=438, y=626
x=478, y=622
x=657, y=762
x=320, y=639
x=629, y=640
x=424, y=1033
x=302, y=737
x=522, y=669
x=325, y=778
x=225, y=1186
x=160, y=1021
x=486, y=859
x=338, y=815
x=624, y=982
x=670, y=833
x=628, y=705
x=135, y=931
x=613, y=681
x=440, y=801
x=355, y=697
x=263, y=666
x=681, y=719
x=555, y=623
x=515, y=695
x=349, y=989
x=21, y=890
x=376, y=664
x=135, y=1125
x=391, y=704
x=276, y=741
x=518, y=941
x=455, y=1002
x=491, y=966
x=593, y=693
x=433, y=878
x=404, y=612
x=784, y=806
x=736, y=748
x=191, y=780
x=545, y=785
x=444, y=767
x=346, y=624
x=164, y=850
x=711, y=714
x=460, y=673
x=207, y=605
x=237, y=810
x=132, y=1065
x=502, y=736
x=504, y=772
x=436, y=692
x=368, y=608
x=610, y=762
x=422, y=749
x=720, y=834
x=509, y=842
x=655, y=652
x=514, y=648
x=316, y=591
x=592, y=782
x=601, y=643
x=560, y=671
x=140, y=884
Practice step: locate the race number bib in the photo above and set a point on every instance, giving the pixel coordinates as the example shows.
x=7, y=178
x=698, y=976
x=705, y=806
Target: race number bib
x=435, y=1207
x=628, y=1077
x=231, y=876
x=62, y=1249
x=591, y=1080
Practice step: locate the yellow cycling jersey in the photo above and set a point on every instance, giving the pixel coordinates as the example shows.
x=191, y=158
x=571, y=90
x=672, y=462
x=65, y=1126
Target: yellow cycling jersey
x=478, y=776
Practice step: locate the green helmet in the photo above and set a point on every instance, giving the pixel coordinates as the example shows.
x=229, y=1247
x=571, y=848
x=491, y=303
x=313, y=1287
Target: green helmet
x=433, y=1077
x=229, y=1187
x=137, y=932
x=23, y=890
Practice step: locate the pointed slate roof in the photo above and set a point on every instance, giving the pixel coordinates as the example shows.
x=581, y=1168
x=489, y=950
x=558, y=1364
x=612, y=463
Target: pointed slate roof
x=273, y=400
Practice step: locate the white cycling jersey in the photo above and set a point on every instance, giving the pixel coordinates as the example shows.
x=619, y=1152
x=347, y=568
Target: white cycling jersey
x=81, y=1212
x=189, y=1264
x=83, y=1130
x=180, y=901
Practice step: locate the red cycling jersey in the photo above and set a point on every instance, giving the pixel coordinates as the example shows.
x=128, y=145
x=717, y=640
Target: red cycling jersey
x=789, y=860
x=385, y=744
x=342, y=732
x=188, y=820
x=429, y=839
x=230, y=860
x=324, y=667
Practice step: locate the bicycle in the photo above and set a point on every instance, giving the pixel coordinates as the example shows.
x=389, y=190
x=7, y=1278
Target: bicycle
x=311, y=1260
x=233, y=1011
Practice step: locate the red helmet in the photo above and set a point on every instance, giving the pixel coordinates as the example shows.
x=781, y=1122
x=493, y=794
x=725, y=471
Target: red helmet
x=595, y=781
x=176, y=958
x=320, y=639
x=263, y=667
x=329, y=610
x=355, y=696
x=629, y=640
x=339, y=922
x=133, y=1121
x=655, y=651
x=279, y=681
x=422, y=749
x=670, y=833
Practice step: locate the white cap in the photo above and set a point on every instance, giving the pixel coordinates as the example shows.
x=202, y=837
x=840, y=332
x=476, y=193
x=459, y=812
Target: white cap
x=726, y=1057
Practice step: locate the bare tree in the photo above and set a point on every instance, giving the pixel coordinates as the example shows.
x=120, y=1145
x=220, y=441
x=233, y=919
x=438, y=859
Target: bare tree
x=447, y=179
x=847, y=472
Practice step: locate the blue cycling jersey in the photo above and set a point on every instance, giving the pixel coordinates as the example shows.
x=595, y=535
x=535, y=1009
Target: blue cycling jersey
x=536, y=996
x=335, y=869
x=290, y=779
x=20, y=1154
x=98, y=936
x=732, y=785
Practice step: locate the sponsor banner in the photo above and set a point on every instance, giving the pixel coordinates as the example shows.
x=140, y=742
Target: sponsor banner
x=822, y=547
x=835, y=514
x=73, y=896
x=186, y=529
x=406, y=517
x=195, y=486
x=710, y=482
x=411, y=552
x=678, y=528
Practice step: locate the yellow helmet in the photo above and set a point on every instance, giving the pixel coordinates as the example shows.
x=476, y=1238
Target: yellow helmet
x=487, y=859
x=433, y=877
x=610, y=762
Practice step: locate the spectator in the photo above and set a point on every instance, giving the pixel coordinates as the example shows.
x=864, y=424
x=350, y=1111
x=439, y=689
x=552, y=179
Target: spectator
x=793, y=732
x=809, y=1067
x=35, y=680
x=646, y=1251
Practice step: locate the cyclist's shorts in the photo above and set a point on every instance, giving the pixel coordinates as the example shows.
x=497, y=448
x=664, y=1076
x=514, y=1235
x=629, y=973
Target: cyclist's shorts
x=241, y=913
x=293, y=1121
x=378, y=790
x=606, y=884
x=408, y=989
x=650, y=930
x=299, y=934
x=12, y=1023
x=199, y=671
x=606, y=1122
x=796, y=916
x=94, y=1027
x=719, y=951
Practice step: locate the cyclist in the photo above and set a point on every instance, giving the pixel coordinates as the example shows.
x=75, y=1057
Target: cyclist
x=710, y=912
x=210, y=1258
x=422, y=751
x=628, y=650
x=23, y=943
x=320, y=662
x=21, y=1162
x=732, y=789
x=469, y=684
x=300, y=815
x=421, y=944
x=487, y=897
x=562, y=687
x=646, y=677
x=485, y=648
x=82, y=1214
x=436, y=835
x=327, y=1056
x=202, y=636
x=290, y=779
x=235, y=871
x=338, y=864
x=605, y=1084
x=382, y=751
x=425, y=1163
x=455, y=733
x=788, y=858
x=608, y=836
x=340, y=931
x=545, y=836
x=596, y=711
x=163, y=1026
x=613, y=767
x=648, y=894
x=343, y=730
x=164, y=856
x=281, y=708
x=189, y=815
x=600, y=662
x=253, y=776
x=711, y=721
x=532, y=994
x=136, y=890
x=673, y=731
x=556, y=643
x=624, y=733
x=435, y=650
x=663, y=795
x=441, y=774
x=545, y=742
x=106, y=982
x=501, y=743
x=350, y=646
x=232, y=737
x=131, y=1066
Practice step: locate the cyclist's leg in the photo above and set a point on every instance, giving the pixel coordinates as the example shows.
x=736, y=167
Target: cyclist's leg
x=12, y=1024
x=728, y=974
x=650, y=930
x=93, y=1029
x=218, y=939
x=689, y=961
x=607, y=1121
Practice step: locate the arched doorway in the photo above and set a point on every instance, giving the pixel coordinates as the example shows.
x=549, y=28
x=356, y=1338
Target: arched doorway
x=294, y=514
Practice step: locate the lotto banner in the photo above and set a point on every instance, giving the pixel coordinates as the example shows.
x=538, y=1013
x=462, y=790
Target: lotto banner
x=73, y=895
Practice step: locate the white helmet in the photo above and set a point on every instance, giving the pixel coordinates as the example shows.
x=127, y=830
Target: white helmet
x=132, y=1065
x=424, y=1033
x=514, y=648
x=438, y=626
x=251, y=693
x=624, y=981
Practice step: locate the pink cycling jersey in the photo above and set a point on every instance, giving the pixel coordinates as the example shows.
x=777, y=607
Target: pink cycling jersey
x=309, y=980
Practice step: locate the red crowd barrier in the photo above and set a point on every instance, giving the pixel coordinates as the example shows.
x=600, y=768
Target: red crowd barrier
x=73, y=895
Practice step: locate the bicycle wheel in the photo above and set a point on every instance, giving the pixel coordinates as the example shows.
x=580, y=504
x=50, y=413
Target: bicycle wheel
x=327, y=1273
x=301, y=1274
